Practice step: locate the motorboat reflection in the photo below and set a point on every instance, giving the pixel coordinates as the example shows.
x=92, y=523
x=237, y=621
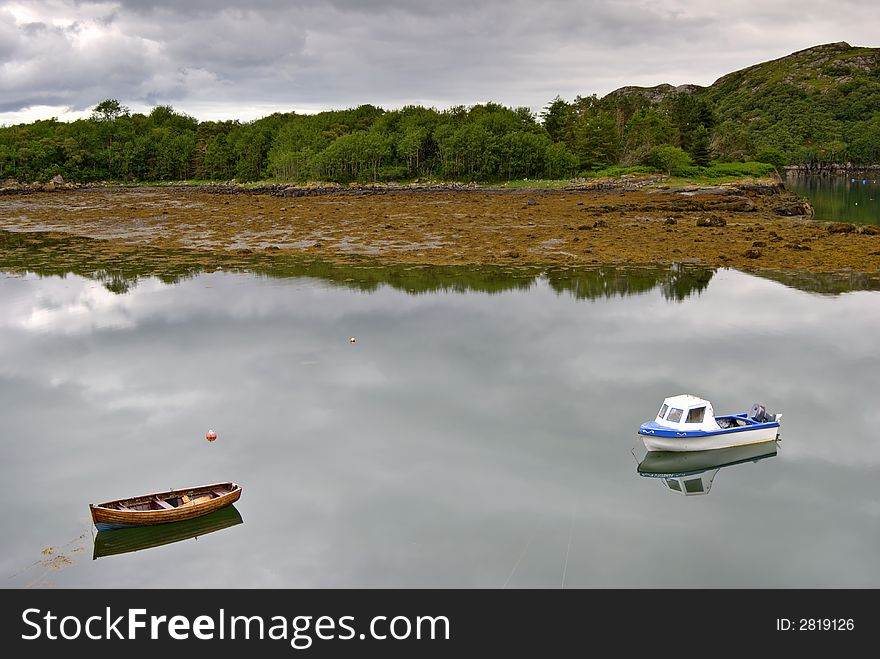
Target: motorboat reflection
x=136, y=538
x=691, y=473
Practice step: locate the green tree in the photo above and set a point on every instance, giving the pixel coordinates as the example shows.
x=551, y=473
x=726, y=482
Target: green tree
x=731, y=142
x=772, y=156
x=556, y=118
x=672, y=159
x=109, y=110
x=646, y=129
x=522, y=154
x=411, y=145
x=560, y=162
x=472, y=148
x=595, y=139
x=219, y=159
x=107, y=113
x=699, y=146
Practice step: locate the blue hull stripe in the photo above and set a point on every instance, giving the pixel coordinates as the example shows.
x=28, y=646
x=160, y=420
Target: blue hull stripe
x=655, y=429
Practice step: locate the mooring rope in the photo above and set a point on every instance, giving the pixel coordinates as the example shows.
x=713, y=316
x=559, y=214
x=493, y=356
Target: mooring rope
x=522, y=554
x=568, y=550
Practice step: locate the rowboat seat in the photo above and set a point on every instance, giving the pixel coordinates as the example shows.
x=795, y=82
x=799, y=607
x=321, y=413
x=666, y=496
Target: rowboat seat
x=219, y=493
x=164, y=504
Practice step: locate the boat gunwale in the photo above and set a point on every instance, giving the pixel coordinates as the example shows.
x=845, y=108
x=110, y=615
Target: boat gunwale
x=165, y=495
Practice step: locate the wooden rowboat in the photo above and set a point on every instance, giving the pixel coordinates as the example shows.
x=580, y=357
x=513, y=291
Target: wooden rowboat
x=136, y=538
x=164, y=507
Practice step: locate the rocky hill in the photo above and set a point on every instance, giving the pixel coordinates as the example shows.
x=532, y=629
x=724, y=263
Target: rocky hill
x=821, y=104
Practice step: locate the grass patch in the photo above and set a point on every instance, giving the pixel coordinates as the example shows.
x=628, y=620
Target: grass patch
x=717, y=172
x=620, y=170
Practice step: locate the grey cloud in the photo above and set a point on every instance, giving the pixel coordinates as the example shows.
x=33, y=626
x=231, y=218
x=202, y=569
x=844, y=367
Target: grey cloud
x=341, y=53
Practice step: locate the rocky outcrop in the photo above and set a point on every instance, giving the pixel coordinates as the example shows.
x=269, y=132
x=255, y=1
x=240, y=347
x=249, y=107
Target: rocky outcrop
x=656, y=94
x=11, y=186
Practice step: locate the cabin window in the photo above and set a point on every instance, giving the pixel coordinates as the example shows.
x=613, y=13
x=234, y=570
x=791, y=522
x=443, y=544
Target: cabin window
x=663, y=410
x=694, y=485
x=673, y=484
x=675, y=415
x=696, y=415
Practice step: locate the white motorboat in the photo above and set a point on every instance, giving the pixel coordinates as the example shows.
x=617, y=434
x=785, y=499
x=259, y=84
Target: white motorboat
x=688, y=423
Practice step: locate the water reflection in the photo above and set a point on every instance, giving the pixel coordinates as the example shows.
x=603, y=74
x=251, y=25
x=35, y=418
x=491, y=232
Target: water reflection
x=692, y=472
x=848, y=197
x=120, y=268
x=465, y=440
x=125, y=540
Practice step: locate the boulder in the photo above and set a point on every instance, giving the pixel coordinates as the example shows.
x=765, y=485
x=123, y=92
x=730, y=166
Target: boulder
x=712, y=221
x=794, y=206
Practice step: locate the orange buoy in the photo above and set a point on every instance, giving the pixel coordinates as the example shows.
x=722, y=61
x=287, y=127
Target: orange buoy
x=210, y=435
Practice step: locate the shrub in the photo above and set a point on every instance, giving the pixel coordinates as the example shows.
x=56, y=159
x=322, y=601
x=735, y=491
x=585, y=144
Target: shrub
x=671, y=159
x=771, y=156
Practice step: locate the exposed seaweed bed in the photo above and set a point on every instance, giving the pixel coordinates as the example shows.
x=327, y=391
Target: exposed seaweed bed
x=750, y=227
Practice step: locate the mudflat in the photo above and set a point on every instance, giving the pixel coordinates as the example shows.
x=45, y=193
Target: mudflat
x=748, y=226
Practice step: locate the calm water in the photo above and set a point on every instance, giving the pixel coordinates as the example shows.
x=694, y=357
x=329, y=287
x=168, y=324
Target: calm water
x=465, y=439
x=844, y=198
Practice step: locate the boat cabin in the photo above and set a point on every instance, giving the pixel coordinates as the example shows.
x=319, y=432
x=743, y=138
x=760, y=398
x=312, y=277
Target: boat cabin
x=687, y=413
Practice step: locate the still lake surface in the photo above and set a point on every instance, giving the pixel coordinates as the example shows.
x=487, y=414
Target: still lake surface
x=467, y=438
x=853, y=197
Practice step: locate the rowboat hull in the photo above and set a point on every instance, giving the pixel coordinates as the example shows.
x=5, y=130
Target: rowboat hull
x=164, y=507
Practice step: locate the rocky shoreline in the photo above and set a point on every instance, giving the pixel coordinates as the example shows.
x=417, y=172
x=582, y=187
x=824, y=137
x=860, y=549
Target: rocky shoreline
x=622, y=183
x=750, y=225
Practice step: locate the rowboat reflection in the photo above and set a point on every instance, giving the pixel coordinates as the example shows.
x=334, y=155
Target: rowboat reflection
x=691, y=473
x=121, y=541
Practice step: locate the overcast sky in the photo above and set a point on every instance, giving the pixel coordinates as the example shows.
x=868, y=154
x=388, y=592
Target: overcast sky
x=216, y=59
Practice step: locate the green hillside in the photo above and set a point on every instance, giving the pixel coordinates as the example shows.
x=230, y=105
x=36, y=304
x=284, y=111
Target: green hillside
x=816, y=106
x=821, y=104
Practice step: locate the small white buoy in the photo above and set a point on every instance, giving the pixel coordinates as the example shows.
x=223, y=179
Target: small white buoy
x=351, y=340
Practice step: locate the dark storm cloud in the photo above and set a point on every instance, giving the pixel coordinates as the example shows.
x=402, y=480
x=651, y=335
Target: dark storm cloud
x=276, y=54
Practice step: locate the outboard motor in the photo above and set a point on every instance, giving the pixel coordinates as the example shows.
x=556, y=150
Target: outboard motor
x=759, y=414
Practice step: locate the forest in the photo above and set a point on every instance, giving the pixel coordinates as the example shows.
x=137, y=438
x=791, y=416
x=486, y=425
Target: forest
x=777, y=113
x=486, y=142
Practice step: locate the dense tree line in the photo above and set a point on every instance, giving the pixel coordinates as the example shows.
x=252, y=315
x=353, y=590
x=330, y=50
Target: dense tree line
x=672, y=130
x=486, y=142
